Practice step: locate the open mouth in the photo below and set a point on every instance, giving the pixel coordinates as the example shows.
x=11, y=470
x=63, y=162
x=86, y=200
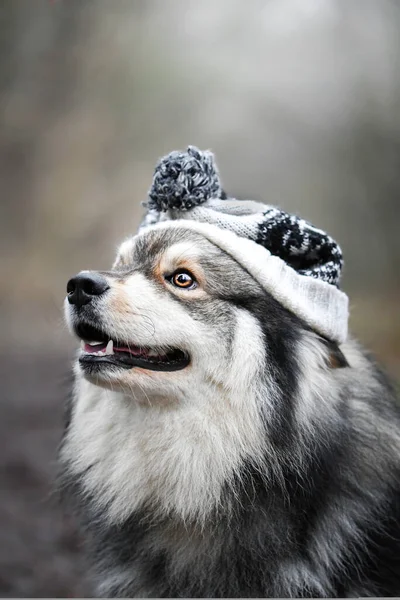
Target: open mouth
x=99, y=349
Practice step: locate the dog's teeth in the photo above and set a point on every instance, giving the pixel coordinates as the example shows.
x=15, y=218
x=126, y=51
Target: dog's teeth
x=110, y=348
x=95, y=343
x=82, y=345
x=152, y=353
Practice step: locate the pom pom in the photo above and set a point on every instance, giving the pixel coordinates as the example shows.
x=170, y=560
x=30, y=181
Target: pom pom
x=183, y=180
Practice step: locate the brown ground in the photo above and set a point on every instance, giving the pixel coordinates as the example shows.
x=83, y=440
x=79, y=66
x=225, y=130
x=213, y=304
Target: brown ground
x=39, y=550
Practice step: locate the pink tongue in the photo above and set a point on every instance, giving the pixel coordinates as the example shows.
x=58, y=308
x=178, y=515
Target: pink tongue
x=97, y=348
x=133, y=350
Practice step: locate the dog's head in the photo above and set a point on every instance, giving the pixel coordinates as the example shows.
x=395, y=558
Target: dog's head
x=209, y=286
x=174, y=310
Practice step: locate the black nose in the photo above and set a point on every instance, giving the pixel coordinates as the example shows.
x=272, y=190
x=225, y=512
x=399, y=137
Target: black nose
x=84, y=286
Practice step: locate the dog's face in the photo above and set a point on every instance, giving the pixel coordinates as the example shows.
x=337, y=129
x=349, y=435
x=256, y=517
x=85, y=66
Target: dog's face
x=165, y=317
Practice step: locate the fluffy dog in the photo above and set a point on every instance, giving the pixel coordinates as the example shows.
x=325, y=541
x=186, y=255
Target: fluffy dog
x=216, y=444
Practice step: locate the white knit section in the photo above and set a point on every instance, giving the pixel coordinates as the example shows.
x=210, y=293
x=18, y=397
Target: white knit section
x=239, y=207
x=244, y=225
x=321, y=305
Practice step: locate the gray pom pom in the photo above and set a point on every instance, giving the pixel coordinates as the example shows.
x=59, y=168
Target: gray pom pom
x=183, y=180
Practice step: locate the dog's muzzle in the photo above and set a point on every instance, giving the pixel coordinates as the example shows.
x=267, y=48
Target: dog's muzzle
x=100, y=347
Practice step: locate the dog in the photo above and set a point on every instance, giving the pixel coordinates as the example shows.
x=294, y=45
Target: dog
x=215, y=445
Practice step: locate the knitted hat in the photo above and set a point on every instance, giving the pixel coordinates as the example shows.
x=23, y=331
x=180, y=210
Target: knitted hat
x=296, y=263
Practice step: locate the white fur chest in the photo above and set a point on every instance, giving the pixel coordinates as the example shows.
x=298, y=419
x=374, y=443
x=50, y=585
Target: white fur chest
x=176, y=458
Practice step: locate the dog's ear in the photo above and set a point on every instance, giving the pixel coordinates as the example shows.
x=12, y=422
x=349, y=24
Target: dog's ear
x=335, y=357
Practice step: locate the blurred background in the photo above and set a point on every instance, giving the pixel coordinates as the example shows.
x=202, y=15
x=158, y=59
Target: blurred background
x=300, y=101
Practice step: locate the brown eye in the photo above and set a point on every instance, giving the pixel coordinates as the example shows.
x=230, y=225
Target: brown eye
x=182, y=279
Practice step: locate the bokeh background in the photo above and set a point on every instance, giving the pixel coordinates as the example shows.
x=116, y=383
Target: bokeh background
x=300, y=101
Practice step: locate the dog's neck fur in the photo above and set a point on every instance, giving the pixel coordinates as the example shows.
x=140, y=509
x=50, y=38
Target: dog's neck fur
x=175, y=458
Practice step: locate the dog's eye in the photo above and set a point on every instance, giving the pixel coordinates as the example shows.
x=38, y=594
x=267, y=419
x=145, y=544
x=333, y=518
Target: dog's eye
x=183, y=279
